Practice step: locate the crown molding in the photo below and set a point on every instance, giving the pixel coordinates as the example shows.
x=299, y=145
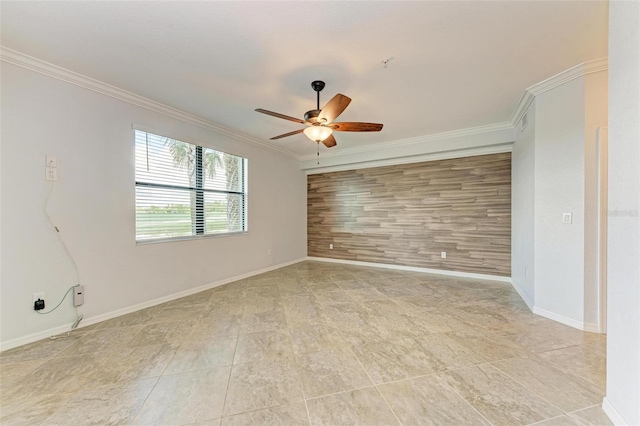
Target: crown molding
x=432, y=156
x=417, y=140
x=28, y=62
x=42, y=67
x=580, y=70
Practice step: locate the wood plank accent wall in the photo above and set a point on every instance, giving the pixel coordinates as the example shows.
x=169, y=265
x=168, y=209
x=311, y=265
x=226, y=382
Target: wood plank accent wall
x=407, y=214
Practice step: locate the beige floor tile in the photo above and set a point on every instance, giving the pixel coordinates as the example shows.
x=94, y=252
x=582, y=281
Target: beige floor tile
x=215, y=325
x=542, y=336
x=253, y=322
x=41, y=350
x=196, y=354
x=447, y=353
x=317, y=311
x=132, y=364
x=283, y=415
x=265, y=345
x=11, y=373
x=214, y=422
x=322, y=285
x=586, y=362
x=315, y=338
x=558, y=421
x=331, y=371
x=498, y=398
x=394, y=360
x=141, y=317
x=185, y=398
x=562, y=390
x=331, y=297
x=292, y=289
x=179, y=313
x=29, y=411
x=192, y=301
x=351, y=284
x=592, y=416
x=58, y=375
x=357, y=407
x=304, y=310
x=478, y=315
x=103, y=406
x=429, y=401
x=263, y=384
x=162, y=333
x=489, y=346
x=103, y=340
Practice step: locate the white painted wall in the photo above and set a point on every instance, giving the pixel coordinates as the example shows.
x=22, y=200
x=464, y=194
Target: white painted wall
x=559, y=188
x=523, y=208
x=622, y=402
x=596, y=116
x=93, y=205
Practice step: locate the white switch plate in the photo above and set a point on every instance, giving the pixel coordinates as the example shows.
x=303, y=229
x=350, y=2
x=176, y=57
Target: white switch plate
x=443, y=254
x=51, y=173
x=269, y=252
x=51, y=161
x=330, y=246
x=566, y=218
x=37, y=296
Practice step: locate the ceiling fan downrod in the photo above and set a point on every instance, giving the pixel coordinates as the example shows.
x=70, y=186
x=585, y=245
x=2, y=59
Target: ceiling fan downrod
x=317, y=85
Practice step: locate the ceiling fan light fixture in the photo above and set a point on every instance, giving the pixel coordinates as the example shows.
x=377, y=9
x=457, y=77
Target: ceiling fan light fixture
x=318, y=133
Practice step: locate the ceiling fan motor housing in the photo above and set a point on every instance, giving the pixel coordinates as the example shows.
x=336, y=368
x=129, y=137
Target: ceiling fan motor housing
x=312, y=116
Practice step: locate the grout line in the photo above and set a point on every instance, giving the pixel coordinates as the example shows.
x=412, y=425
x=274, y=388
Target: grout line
x=465, y=400
x=235, y=350
x=545, y=420
x=528, y=388
x=375, y=386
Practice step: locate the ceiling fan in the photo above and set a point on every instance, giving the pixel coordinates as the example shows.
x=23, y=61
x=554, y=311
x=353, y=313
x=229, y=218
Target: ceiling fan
x=319, y=122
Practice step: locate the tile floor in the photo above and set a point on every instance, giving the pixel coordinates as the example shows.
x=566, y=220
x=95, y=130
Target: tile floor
x=316, y=343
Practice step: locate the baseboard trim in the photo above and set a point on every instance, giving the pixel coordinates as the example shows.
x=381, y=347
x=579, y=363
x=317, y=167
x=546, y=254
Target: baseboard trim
x=34, y=337
x=413, y=269
x=522, y=294
x=584, y=326
x=591, y=327
x=613, y=414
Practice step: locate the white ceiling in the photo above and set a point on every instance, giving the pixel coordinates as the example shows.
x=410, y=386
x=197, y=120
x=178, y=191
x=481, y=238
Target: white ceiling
x=455, y=64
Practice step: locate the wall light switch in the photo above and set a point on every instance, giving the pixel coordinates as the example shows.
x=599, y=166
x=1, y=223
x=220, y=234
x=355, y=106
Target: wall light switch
x=443, y=254
x=330, y=246
x=566, y=217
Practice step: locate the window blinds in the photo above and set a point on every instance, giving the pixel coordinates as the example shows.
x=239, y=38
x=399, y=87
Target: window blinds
x=185, y=190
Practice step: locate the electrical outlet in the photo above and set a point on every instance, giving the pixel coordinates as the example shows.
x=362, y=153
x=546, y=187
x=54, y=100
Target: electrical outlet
x=51, y=173
x=51, y=161
x=443, y=254
x=330, y=246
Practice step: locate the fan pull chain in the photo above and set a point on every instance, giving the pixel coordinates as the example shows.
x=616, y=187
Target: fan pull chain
x=318, y=152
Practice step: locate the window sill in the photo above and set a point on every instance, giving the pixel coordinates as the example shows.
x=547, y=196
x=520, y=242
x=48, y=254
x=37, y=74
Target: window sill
x=190, y=238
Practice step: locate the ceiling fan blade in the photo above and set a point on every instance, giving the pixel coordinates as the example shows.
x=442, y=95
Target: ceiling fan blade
x=330, y=141
x=356, y=127
x=333, y=108
x=295, y=132
x=275, y=114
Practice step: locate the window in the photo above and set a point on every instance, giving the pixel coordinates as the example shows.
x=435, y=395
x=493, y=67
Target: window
x=187, y=191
